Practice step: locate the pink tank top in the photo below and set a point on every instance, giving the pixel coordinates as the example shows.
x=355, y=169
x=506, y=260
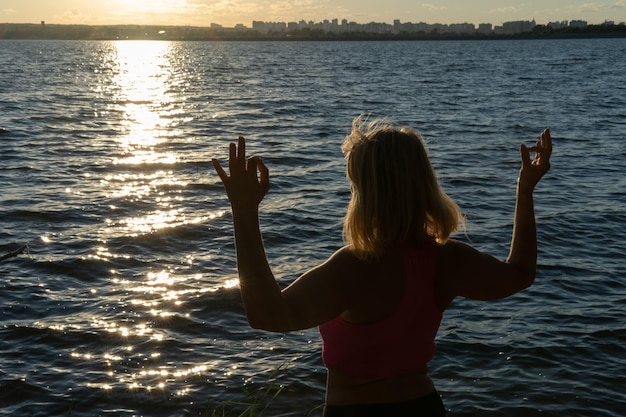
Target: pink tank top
x=402, y=342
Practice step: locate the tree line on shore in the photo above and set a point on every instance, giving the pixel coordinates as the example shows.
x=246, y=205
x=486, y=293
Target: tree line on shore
x=141, y=32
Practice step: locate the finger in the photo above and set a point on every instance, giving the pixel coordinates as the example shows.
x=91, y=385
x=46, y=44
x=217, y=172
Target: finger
x=232, y=155
x=220, y=171
x=546, y=141
x=543, y=147
x=264, y=174
x=525, y=155
x=252, y=166
x=241, y=144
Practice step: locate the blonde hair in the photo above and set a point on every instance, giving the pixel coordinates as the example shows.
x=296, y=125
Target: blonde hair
x=396, y=196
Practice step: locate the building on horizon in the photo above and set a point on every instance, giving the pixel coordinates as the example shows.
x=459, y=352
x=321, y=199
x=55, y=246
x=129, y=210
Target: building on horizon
x=398, y=27
x=578, y=23
x=558, y=25
x=518, y=26
x=485, y=28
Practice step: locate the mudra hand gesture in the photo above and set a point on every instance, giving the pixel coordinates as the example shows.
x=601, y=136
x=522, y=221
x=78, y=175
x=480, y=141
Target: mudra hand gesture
x=248, y=181
x=533, y=171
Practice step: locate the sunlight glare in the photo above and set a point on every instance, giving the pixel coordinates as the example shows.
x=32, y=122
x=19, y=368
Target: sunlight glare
x=144, y=70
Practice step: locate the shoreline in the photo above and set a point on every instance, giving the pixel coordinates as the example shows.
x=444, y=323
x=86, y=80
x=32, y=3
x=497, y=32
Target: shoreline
x=31, y=31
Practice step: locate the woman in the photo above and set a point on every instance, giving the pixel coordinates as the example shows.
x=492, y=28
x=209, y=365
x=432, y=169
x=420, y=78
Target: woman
x=378, y=301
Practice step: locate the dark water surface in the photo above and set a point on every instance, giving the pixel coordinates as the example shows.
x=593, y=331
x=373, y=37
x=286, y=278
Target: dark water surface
x=127, y=304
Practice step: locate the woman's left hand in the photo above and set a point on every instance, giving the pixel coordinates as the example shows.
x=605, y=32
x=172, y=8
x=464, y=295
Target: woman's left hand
x=533, y=170
x=245, y=189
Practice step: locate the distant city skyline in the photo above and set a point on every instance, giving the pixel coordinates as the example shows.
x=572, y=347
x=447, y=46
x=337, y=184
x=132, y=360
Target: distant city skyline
x=230, y=13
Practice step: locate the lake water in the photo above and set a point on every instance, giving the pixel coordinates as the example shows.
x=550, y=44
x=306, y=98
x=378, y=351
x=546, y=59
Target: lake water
x=127, y=302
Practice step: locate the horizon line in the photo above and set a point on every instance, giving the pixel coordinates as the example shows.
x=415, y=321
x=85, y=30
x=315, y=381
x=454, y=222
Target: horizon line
x=214, y=24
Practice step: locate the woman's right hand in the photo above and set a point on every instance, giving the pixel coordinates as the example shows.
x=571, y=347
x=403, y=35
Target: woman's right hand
x=532, y=171
x=248, y=181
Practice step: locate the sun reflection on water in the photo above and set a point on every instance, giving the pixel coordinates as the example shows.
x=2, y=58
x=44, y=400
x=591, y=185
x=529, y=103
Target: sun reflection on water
x=155, y=302
x=146, y=377
x=144, y=98
x=153, y=289
x=142, y=81
x=148, y=198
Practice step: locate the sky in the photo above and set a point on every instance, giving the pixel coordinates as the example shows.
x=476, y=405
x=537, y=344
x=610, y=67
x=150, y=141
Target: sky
x=228, y=13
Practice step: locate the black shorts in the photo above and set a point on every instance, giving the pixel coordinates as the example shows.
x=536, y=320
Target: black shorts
x=427, y=406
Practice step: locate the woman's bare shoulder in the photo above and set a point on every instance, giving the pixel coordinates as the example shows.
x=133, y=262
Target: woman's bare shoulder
x=454, y=250
x=345, y=257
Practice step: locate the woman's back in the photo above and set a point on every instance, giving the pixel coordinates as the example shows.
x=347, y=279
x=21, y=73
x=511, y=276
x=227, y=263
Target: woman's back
x=377, y=350
x=378, y=288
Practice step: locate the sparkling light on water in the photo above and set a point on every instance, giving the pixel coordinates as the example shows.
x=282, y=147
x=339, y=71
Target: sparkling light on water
x=142, y=80
x=144, y=181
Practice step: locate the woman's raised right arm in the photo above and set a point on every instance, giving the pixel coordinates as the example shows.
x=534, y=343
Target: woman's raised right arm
x=317, y=296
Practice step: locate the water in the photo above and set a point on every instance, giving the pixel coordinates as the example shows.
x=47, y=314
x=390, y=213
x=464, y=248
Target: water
x=127, y=303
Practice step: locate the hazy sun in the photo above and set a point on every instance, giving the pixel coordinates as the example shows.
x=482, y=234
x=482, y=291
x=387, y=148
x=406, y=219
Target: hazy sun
x=143, y=8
